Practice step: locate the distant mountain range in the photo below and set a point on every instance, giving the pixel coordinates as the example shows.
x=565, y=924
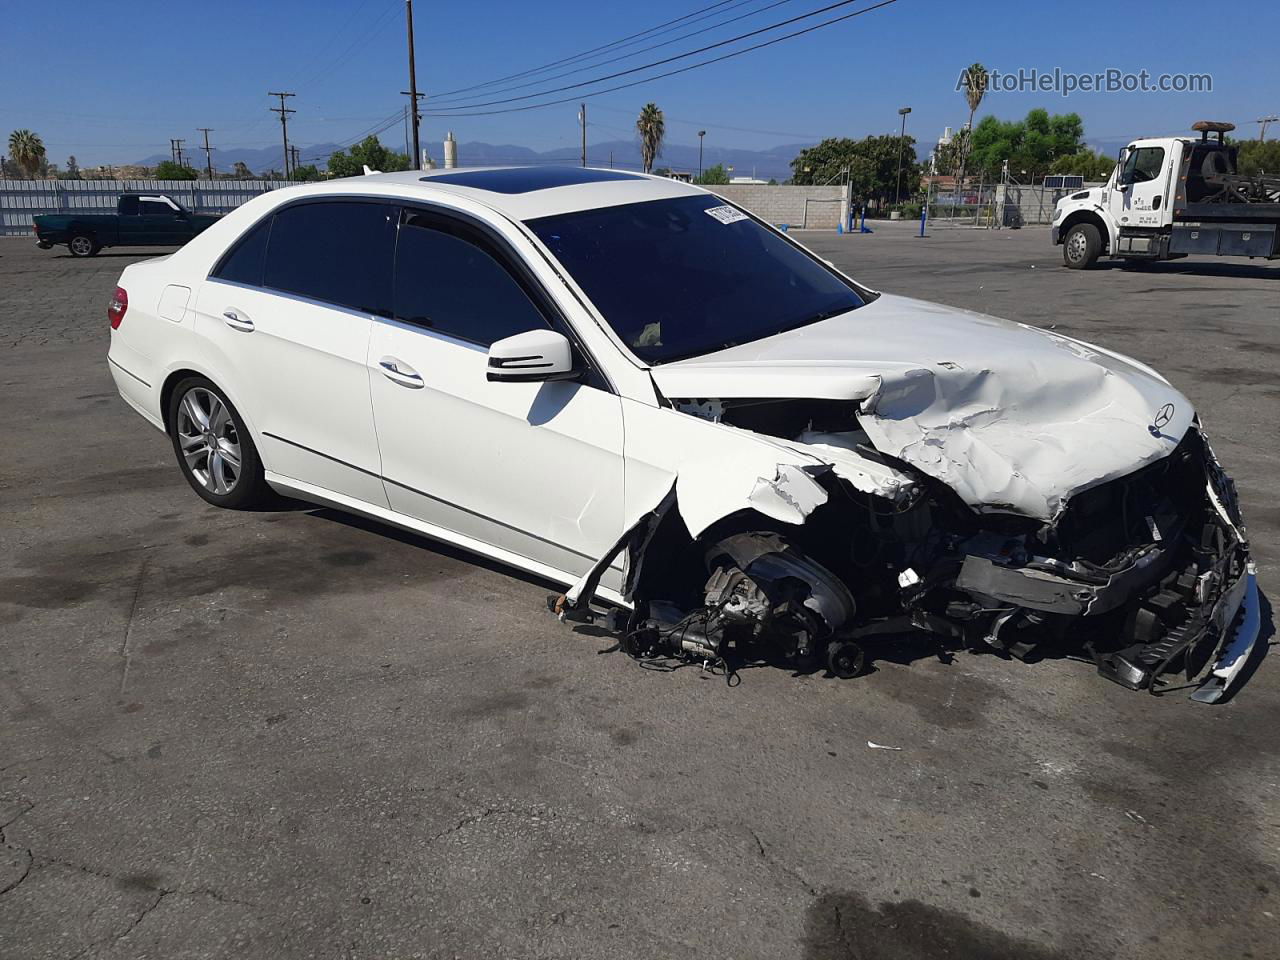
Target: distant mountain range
x=765, y=164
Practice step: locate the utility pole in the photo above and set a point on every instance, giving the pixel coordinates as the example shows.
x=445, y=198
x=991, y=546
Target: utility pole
x=293, y=156
x=701, y=134
x=416, y=98
x=413, y=86
x=1263, y=121
x=284, y=125
x=902, y=140
x=208, y=150
x=582, y=120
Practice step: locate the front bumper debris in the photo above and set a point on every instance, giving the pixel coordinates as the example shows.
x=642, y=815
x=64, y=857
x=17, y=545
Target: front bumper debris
x=1241, y=605
x=1149, y=573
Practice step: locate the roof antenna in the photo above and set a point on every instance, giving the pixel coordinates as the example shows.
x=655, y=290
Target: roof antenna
x=368, y=172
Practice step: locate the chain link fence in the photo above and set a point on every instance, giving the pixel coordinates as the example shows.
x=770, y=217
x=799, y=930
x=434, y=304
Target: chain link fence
x=999, y=204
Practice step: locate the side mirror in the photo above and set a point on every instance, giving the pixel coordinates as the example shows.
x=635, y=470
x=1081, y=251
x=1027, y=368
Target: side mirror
x=531, y=357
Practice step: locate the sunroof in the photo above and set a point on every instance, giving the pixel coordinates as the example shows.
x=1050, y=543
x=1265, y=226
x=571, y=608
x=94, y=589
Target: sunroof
x=527, y=179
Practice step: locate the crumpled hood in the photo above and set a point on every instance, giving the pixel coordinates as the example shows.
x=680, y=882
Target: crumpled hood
x=1015, y=419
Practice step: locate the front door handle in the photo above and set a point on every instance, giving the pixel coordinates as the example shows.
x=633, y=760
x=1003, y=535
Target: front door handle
x=398, y=372
x=237, y=321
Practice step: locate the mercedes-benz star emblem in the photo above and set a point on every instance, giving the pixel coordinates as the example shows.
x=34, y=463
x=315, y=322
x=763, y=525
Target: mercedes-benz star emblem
x=1163, y=416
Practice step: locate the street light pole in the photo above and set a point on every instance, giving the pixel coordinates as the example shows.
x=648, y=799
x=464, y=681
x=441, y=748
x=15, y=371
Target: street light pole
x=902, y=140
x=701, y=134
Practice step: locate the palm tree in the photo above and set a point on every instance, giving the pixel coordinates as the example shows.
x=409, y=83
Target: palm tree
x=27, y=151
x=974, y=81
x=652, y=128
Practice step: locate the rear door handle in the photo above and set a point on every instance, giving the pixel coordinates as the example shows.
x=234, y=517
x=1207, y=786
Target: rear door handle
x=398, y=372
x=233, y=319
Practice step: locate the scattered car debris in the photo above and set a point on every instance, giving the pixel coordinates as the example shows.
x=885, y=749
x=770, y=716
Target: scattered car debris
x=880, y=746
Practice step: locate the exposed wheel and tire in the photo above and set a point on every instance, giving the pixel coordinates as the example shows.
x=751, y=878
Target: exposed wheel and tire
x=214, y=450
x=845, y=659
x=83, y=245
x=1081, y=246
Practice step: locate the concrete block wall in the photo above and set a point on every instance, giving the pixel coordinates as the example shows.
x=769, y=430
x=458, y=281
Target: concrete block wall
x=815, y=208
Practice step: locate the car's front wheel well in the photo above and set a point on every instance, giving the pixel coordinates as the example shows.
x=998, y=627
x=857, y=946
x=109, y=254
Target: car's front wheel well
x=1085, y=216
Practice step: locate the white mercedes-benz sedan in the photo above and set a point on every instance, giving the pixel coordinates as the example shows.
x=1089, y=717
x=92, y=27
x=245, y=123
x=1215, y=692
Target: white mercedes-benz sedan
x=628, y=385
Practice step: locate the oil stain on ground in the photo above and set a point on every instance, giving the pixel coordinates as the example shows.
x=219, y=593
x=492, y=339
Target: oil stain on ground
x=845, y=926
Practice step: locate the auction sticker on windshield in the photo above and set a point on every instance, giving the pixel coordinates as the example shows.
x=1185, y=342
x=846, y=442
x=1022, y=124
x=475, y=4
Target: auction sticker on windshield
x=726, y=214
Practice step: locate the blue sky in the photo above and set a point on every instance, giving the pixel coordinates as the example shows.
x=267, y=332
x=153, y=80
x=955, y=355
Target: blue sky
x=113, y=82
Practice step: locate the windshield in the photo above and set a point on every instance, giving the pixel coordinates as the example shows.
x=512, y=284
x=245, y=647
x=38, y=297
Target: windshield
x=691, y=275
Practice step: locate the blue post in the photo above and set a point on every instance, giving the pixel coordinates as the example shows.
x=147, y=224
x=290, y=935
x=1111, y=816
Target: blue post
x=864, y=228
x=924, y=213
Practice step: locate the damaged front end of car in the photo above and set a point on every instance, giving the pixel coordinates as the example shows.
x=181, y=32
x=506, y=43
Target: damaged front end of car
x=845, y=547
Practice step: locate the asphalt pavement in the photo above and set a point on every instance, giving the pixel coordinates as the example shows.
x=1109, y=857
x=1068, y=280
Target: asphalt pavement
x=298, y=734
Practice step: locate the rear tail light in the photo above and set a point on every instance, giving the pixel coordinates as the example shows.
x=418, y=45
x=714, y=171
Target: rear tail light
x=117, y=307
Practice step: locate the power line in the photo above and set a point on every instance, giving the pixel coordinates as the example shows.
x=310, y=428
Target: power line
x=449, y=111
x=585, y=53
x=329, y=71
x=381, y=126
x=635, y=53
x=693, y=66
x=702, y=124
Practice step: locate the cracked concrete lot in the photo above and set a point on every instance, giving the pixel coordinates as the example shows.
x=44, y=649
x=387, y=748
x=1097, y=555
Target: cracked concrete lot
x=296, y=734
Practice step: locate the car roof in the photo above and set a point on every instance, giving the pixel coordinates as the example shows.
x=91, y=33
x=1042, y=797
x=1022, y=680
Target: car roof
x=522, y=193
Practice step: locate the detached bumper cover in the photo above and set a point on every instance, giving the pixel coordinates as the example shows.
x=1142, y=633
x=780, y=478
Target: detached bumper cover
x=1240, y=602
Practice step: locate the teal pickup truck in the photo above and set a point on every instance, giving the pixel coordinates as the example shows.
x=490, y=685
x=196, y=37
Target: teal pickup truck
x=139, y=220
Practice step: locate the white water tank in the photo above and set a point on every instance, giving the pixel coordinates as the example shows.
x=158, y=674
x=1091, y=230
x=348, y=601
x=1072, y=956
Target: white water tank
x=450, y=151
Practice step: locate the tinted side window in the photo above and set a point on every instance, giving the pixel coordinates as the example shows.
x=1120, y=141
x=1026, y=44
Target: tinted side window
x=447, y=282
x=338, y=252
x=248, y=258
x=128, y=206
x=154, y=208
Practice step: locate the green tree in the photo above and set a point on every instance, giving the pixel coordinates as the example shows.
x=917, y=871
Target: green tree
x=973, y=82
x=169, y=170
x=1084, y=163
x=1258, y=157
x=241, y=171
x=73, y=168
x=869, y=164
x=308, y=172
x=26, y=150
x=713, y=175
x=368, y=152
x=652, y=127
x=1031, y=145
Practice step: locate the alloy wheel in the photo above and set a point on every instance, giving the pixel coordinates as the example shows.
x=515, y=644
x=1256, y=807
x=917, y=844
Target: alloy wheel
x=209, y=440
x=81, y=246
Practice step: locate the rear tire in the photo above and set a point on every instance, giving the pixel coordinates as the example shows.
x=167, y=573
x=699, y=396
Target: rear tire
x=1081, y=246
x=214, y=449
x=83, y=245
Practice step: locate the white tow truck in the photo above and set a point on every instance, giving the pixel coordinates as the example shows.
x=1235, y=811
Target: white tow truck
x=1172, y=197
